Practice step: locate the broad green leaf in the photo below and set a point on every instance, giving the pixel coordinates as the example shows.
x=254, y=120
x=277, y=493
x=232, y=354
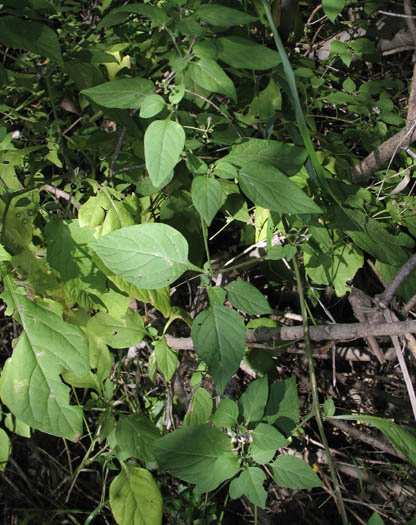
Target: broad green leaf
x=210, y=76
x=120, y=14
x=199, y=454
x=117, y=333
x=254, y=399
x=222, y=16
x=226, y=413
x=334, y=267
x=17, y=426
x=18, y=222
x=30, y=385
x=370, y=236
x=69, y=255
x=268, y=187
x=133, y=436
x=403, y=441
x=250, y=483
x=328, y=408
x=285, y=157
x=200, y=408
x=31, y=36
x=242, y=53
x=294, y=473
x=246, y=297
x=266, y=439
x=332, y=8
x=5, y=449
x=342, y=50
x=164, y=141
x=122, y=93
x=282, y=408
x=225, y=170
x=166, y=359
x=276, y=253
x=218, y=335
x=146, y=255
x=206, y=197
x=4, y=255
x=375, y=519
x=151, y=106
x=216, y=295
x=135, y=497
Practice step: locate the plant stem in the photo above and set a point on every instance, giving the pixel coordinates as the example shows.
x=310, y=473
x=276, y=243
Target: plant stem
x=205, y=236
x=316, y=409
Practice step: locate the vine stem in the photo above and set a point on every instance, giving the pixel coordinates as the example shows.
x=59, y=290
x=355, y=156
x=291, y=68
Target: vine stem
x=316, y=409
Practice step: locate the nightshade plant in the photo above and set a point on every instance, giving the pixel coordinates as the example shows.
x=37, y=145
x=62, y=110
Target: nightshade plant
x=160, y=124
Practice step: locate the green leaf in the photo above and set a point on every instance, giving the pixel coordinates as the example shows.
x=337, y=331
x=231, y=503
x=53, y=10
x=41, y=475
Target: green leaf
x=242, y=53
x=164, y=141
x=246, y=297
x=294, y=473
x=69, y=255
x=166, y=359
x=332, y=8
x=370, y=236
x=151, y=106
x=403, y=441
x=276, y=253
x=285, y=157
x=117, y=333
x=133, y=436
x=30, y=382
x=282, y=408
x=210, y=76
x=120, y=14
x=222, y=16
x=31, y=36
x=375, y=519
x=266, y=440
x=226, y=413
x=122, y=93
x=334, y=267
x=199, y=454
x=268, y=187
x=254, y=399
x=200, y=408
x=5, y=449
x=218, y=335
x=146, y=255
x=216, y=295
x=206, y=197
x=250, y=483
x=135, y=497
x=328, y=408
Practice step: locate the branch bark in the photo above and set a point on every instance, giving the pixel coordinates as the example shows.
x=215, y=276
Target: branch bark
x=332, y=332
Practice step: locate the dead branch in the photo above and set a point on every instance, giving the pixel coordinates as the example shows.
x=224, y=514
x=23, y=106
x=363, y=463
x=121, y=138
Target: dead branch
x=332, y=332
x=385, y=298
x=362, y=171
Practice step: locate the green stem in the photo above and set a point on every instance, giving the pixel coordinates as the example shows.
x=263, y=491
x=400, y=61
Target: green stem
x=205, y=237
x=316, y=409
